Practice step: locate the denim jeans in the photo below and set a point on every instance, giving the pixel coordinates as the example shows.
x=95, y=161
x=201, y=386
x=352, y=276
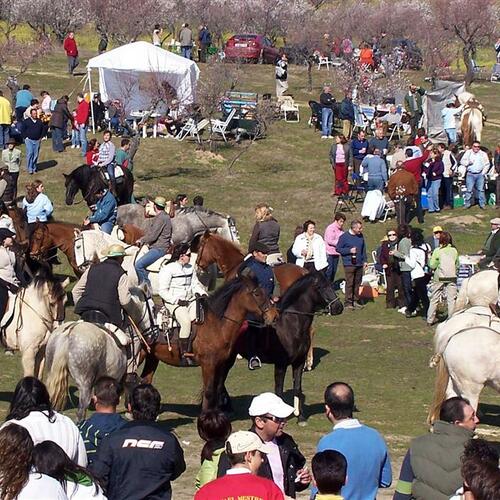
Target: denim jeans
x=82, y=131
x=433, y=195
x=326, y=121
x=106, y=227
x=373, y=184
x=407, y=287
x=57, y=139
x=146, y=260
x=32, y=150
x=4, y=135
x=331, y=270
x=75, y=138
x=447, y=183
x=186, y=51
x=452, y=135
x=474, y=181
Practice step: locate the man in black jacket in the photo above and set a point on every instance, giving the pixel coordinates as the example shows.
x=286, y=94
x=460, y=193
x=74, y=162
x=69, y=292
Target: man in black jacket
x=141, y=459
x=285, y=464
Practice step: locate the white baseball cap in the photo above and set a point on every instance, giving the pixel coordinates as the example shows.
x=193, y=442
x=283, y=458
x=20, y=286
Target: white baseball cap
x=268, y=402
x=243, y=441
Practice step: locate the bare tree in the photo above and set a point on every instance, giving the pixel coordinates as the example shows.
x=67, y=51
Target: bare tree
x=470, y=22
x=10, y=16
x=16, y=57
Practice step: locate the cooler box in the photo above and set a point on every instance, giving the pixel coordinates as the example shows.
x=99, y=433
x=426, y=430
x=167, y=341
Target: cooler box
x=458, y=201
x=423, y=199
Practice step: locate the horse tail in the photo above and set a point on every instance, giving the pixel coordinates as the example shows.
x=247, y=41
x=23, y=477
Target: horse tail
x=57, y=380
x=462, y=297
x=442, y=378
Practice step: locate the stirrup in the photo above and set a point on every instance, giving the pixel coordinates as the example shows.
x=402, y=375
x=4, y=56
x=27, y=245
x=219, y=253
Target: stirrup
x=254, y=363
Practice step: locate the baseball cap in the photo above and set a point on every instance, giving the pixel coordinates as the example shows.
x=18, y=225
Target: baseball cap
x=496, y=220
x=268, y=402
x=243, y=441
x=437, y=229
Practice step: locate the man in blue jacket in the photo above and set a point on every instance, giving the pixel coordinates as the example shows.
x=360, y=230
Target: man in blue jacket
x=351, y=246
x=347, y=115
x=359, y=150
x=105, y=211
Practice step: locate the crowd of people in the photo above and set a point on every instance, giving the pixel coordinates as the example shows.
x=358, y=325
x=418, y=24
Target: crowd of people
x=44, y=455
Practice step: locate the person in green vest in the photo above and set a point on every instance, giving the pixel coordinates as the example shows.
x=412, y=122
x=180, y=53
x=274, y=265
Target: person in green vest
x=413, y=107
x=431, y=466
x=122, y=157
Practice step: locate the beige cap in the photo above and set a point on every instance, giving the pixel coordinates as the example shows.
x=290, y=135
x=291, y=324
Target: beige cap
x=160, y=201
x=115, y=250
x=243, y=441
x=496, y=221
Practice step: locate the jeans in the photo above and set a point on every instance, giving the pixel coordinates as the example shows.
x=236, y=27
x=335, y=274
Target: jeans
x=419, y=295
x=326, y=121
x=107, y=227
x=373, y=184
x=4, y=135
x=57, y=139
x=32, y=150
x=452, y=135
x=82, y=131
x=75, y=138
x=72, y=63
x=146, y=260
x=186, y=51
x=331, y=270
x=407, y=287
x=111, y=172
x=433, y=195
x=447, y=183
x=474, y=181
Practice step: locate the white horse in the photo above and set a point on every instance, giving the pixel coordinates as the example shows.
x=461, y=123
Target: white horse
x=481, y=289
x=471, y=119
x=467, y=351
x=27, y=324
x=86, y=352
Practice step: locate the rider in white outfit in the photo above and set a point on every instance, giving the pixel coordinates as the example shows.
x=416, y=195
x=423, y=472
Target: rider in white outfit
x=178, y=287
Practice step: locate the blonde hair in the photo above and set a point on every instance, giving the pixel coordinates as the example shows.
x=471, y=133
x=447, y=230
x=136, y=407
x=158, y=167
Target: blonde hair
x=263, y=212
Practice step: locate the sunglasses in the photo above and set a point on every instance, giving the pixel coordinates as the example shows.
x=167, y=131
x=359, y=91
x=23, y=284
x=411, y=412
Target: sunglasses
x=276, y=420
x=391, y=234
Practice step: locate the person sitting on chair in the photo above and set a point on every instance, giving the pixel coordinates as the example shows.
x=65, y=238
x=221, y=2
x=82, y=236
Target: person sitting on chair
x=105, y=211
x=103, y=292
x=179, y=287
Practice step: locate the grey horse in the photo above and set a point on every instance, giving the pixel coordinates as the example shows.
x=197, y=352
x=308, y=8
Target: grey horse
x=187, y=224
x=86, y=352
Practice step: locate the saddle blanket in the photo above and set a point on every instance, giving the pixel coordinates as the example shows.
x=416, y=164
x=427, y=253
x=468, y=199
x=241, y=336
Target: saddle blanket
x=117, y=333
x=118, y=172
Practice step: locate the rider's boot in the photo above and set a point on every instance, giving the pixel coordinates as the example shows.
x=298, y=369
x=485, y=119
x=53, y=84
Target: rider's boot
x=112, y=187
x=186, y=354
x=495, y=308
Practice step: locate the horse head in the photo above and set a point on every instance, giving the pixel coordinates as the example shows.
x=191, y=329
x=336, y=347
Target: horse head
x=201, y=246
x=256, y=300
x=40, y=241
x=327, y=293
x=52, y=290
x=71, y=186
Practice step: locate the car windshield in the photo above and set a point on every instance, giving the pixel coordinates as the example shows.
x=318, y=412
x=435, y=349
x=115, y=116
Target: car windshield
x=243, y=38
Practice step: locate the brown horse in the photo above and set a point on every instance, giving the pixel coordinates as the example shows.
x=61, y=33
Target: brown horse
x=20, y=225
x=216, y=337
x=131, y=233
x=212, y=248
x=52, y=235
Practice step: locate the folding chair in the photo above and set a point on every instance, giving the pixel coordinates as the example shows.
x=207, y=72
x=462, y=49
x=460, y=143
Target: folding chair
x=358, y=190
x=346, y=203
x=360, y=121
x=389, y=210
x=220, y=127
x=324, y=61
x=369, y=114
x=185, y=130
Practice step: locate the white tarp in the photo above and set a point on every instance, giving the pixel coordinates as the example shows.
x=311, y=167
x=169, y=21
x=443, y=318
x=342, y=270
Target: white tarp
x=433, y=103
x=133, y=72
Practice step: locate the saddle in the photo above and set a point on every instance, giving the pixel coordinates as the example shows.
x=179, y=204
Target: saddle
x=117, y=334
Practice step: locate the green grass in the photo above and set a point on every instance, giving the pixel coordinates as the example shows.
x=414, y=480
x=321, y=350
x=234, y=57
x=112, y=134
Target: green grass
x=383, y=355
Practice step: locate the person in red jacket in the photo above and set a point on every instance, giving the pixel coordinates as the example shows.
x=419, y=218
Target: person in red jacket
x=82, y=120
x=243, y=450
x=71, y=52
x=414, y=166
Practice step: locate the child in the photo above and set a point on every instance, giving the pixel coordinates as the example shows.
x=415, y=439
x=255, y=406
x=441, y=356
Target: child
x=329, y=470
x=75, y=133
x=92, y=155
x=105, y=420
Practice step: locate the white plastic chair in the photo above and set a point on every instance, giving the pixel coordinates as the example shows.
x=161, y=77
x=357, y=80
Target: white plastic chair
x=192, y=129
x=220, y=127
x=324, y=61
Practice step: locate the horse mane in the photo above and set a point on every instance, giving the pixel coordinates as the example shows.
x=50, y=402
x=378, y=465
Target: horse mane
x=45, y=276
x=296, y=290
x=192, y=210
x=219, y=301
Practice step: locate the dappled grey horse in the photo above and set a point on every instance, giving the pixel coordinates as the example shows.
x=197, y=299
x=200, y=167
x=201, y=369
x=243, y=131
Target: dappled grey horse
x=187, y=223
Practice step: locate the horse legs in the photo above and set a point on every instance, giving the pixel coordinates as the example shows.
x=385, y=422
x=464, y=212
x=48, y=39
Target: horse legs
x=209, y=373
x=39, y=363
x=85, y=391
x=150, y=365
x=223, y=395
x=310, y=353
x=298, y=395
x=279, y=379
x=28, y=359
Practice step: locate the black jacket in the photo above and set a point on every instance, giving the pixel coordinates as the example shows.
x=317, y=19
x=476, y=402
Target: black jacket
x=267, y=232
x=33, y=130
x=138, y=462
x=291, y=458
x=60, y=115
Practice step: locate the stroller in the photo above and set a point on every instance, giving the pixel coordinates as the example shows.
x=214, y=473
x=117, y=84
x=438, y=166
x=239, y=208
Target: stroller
x=315, y=119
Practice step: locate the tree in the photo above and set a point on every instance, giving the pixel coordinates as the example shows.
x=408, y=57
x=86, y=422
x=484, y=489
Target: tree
x=16, y=57
x=470, y=22
x=10, y=16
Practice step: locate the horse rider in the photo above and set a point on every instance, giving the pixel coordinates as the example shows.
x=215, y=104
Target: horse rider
x=491, y=247
x=263, y=273
x=106, y=160
x=158, y=237
x=179, y=288
x=105, y=211
x=8, y=278
x=266, y=231
x=103, y=292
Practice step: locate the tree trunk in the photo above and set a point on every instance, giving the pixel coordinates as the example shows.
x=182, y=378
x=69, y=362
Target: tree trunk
x=309, y=75
x=466, y=55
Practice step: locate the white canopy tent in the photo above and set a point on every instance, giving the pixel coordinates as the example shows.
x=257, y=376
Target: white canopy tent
x=133, y=73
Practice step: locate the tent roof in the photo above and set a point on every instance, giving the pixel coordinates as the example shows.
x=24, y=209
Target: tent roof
x=141, y=56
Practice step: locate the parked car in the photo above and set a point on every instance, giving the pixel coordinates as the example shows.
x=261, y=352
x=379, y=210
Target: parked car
x=251, y=48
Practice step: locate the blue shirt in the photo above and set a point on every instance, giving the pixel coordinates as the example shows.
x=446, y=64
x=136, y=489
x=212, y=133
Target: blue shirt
x=448, y=116
x=40, y=209
x=356, y=146
x=105, y=209
x=344, y=245
x=263, y=274
x=23, y=98
x=375, y=166
x=368, y=462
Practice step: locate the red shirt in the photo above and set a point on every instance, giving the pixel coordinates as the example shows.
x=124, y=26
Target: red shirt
x=239, y=487
x=70, y=47
x=414, y=165
x=82, y=112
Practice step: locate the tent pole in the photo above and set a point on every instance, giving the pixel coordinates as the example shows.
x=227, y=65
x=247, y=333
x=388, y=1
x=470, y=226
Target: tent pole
x=91, y=99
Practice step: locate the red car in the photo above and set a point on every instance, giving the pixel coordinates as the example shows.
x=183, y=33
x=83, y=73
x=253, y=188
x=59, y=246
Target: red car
x=254, y=48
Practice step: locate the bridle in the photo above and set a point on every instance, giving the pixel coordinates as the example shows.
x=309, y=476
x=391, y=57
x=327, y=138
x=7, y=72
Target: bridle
x=226, y=271
x=264, y=307
x=326, y=309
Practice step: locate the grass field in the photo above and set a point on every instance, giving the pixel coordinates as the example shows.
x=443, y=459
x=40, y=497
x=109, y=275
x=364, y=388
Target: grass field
x=382, y=354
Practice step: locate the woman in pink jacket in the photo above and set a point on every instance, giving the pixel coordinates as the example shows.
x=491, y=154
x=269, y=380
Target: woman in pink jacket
x=332, y=235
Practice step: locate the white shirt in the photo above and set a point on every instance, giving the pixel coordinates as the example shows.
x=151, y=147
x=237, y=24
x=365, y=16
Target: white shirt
x=76, y=491
x=276, y=464
x=61, y=430
x=416, y=260
x=7, y=263
x=318, y=250
x=178, y=282
x=476, y=162
x=347, y=423
x=42, y=487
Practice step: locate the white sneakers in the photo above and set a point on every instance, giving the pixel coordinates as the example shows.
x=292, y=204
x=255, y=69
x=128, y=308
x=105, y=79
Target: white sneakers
x=402, y=310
